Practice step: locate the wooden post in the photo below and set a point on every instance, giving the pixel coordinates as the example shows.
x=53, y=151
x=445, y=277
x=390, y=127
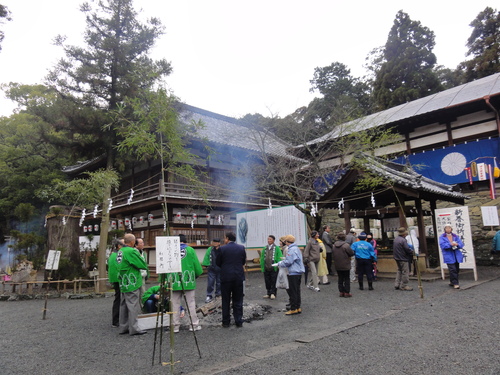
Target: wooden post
x=421, y=227
x=347, y=218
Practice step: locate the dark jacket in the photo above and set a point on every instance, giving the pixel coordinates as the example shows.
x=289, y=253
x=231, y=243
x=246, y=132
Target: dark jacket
x=342, y=254
x=401, y=249
x=231, y=259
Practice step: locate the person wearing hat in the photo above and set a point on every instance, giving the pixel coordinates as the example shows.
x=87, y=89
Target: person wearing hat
x=213, y=270
x=451, y=246
x=402, y=255
x=365, y=256
x=295, y=265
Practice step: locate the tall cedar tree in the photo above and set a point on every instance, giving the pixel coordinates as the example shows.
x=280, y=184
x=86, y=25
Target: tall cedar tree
x=406, y=72
x=113, y=66
x=484, y=46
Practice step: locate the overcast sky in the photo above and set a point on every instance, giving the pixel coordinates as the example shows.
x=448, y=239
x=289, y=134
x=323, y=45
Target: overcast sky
x=235, y=57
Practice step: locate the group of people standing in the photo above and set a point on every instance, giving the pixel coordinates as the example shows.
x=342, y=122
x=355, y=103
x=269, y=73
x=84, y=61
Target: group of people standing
x=125, y=264
x=128, y=270
x=226, y=278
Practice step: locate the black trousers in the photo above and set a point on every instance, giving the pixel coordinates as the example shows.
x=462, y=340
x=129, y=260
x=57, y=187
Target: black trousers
x=365, y=267
x=454, y=269
x=294, y=291
x=115, y=317
x=344, y=281
x=232, y=291
x=270, y=280
x=329, y=260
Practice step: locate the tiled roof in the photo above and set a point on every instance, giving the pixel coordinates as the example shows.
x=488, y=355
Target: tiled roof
x=404, y=175
x=232, y=132
x=469, y=92
x=218, y=129
x=83, y=165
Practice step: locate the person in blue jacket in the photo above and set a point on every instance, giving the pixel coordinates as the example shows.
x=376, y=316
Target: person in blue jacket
x=451, y=246
x=294, y=262
x=496, y=243
x=365, y=256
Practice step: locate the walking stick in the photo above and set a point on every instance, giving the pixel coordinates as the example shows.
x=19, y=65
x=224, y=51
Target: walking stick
x=419, y=277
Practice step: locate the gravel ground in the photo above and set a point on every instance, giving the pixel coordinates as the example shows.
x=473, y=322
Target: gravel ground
x=376, y=332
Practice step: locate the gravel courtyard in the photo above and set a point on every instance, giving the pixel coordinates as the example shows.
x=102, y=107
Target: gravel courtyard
x=375, y=332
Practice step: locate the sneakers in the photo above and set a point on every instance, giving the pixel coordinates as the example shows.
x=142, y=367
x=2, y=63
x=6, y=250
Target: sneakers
x=208, y=299
x=272, y=296
x=316, y=289
x=408, y=288
x=196, y=328
x=456, y=286
x=293, y=312
x=310, y=287
x=266, y=296
x=176, y=329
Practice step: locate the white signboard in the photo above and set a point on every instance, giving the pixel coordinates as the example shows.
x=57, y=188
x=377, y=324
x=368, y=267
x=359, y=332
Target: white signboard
x=490, y=215
x=458, y=219
x=168, y=254
x=253, y=227
x=53, y=260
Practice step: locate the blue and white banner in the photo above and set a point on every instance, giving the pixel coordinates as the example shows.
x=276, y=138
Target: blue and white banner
x=448, y=165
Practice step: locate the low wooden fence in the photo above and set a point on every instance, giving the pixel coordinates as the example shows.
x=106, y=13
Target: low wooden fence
x=60, y=284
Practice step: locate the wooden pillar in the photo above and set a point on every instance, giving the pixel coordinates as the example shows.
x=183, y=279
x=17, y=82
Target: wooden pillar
x=366, y=224
x=347, y=217
x=434, y=227
x=383, y=232
x=421, y=226
x=400, y=204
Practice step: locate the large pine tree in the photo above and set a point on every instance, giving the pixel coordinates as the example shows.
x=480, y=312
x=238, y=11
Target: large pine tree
x=113, y=67
x=406, y=71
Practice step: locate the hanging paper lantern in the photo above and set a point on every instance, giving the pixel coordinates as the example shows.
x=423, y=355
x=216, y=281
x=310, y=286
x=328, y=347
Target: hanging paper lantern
x=113, y=224
x=96, y=228
x=150, y=217
x=141, y=219
x=195, y=216
x=127, y=222
x=208, y=217
x=120, y=223
x=84, y=229
x=178, y=215
x=134, y=220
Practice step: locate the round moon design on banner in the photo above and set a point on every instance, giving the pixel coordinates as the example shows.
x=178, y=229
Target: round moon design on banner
x=453, y=164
